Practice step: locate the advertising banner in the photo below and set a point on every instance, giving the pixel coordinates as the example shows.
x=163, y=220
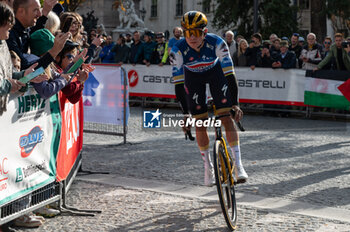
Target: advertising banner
x=71, y=141
x=263, y=85
x=103, y=96
x=27, y=156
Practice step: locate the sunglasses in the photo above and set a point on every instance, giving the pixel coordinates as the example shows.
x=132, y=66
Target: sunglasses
x=327, y=42
x=70, y=56
x=194, y=32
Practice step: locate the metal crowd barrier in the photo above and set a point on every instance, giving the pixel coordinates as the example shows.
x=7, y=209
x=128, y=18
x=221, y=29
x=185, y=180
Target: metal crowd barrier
x=112, y=129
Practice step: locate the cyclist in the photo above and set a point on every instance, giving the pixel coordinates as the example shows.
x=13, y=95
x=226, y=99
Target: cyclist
x=198, y=59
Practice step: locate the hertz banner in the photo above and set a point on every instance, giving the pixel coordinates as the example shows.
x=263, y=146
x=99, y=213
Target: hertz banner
x=263, y=85
x=27, y=155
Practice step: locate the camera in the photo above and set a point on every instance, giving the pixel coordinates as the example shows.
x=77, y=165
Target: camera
x=345, y=44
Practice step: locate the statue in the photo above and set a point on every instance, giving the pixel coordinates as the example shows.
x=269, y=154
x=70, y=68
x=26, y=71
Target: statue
x=127, y=15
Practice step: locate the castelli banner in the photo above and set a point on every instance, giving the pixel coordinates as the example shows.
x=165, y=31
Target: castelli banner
x=27, y=145
x=71, y=141
x=261, y=85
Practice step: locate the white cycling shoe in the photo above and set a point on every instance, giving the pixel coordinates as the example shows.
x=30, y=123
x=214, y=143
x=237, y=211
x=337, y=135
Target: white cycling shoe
x=209, y=177
x=241, y=174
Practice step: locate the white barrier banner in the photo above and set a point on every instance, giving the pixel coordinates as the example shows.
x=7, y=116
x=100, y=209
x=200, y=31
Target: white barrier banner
x=27, y=159
x=151, y=81
x=103, y=96
x=263, y=85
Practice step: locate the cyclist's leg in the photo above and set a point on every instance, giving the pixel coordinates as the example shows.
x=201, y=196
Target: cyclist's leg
x=223, y=102
x=196, y=97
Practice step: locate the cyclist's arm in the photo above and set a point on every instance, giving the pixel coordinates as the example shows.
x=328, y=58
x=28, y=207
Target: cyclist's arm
x=223, y=53
x=176, y=60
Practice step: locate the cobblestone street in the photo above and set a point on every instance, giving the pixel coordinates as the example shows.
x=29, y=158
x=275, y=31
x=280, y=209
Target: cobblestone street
x=305, y=163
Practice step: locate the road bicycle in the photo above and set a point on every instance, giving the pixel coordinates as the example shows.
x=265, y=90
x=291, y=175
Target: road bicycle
x=225, y=173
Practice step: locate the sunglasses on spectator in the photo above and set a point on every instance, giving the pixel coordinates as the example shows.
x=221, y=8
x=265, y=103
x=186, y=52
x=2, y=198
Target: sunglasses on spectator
x=194, y=32
x=327, y=42
x=70, y=56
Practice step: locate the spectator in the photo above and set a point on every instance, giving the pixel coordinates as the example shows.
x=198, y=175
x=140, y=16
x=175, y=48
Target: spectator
x=28, y=20
x=74, y=90
x=41, y=41
x=272, y=38
x=8, y=2
x=101, y=30
x=286, y=59
x=239, y=58
x=238, y=38
x=53, y=23
x=93, y=34
x=16, y=61
x=160, y=51
x=264, y=57
x=339, y=53
x=275, y=48
x=178, y=33
x=121, y=51
x=136, y=45
x=146, y=49
x=75, y=30
x=128, y=40
x=106, y=55
x=326, y=46
x=311, y=53
x=253, y=50
x=296, y=48
x=84, y=38
x=231, y=43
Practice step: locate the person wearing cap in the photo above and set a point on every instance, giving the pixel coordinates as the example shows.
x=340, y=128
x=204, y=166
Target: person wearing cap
x=301, y=41
x=160, y=52
x=296, y=48
x=199, y=59
x=40, y=43
x=128, y=40
x=286, y=59
x=146, y=49
x=253, y=50
x=264, y=57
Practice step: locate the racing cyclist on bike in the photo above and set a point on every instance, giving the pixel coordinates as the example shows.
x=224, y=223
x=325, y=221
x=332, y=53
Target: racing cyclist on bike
x=198, y=59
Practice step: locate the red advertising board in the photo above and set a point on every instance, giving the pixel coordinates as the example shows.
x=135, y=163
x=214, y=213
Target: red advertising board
x=71, y=141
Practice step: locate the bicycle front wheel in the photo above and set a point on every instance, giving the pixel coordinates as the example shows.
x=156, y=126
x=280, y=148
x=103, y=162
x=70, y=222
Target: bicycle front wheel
x=226, y=190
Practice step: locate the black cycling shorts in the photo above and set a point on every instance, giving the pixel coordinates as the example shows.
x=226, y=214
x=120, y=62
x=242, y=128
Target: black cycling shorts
x=195, y=88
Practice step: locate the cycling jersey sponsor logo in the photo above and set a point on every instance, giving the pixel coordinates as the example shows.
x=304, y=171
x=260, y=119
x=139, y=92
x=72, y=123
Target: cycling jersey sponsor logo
x=29, y=141
x=133, y=78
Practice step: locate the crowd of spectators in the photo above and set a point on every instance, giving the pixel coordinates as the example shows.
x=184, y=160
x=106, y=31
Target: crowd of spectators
x=34, y=36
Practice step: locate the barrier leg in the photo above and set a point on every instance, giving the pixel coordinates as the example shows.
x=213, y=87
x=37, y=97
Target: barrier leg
x=64, y=208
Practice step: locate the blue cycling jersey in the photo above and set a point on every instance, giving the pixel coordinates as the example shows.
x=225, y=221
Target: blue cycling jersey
x=214, y=50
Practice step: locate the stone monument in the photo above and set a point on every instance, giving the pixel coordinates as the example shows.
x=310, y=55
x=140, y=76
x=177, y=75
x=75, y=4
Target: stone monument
x=129, y=21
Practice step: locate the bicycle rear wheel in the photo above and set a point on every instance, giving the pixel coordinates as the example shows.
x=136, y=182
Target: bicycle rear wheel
x=226, y=190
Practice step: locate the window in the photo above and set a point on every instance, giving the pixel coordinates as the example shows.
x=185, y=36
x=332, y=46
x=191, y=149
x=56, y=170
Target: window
x=179, y=7
x=304, y=4
x=206, y=6
x=154, y=7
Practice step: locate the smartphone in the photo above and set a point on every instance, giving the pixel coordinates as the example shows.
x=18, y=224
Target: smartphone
x=32, y=75
x=75, y=66
x=67, y=25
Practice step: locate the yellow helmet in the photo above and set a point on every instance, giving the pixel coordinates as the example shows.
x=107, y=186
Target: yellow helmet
x=193, y=20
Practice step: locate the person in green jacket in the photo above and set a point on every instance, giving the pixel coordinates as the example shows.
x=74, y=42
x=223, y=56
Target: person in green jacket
x=337, y=52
